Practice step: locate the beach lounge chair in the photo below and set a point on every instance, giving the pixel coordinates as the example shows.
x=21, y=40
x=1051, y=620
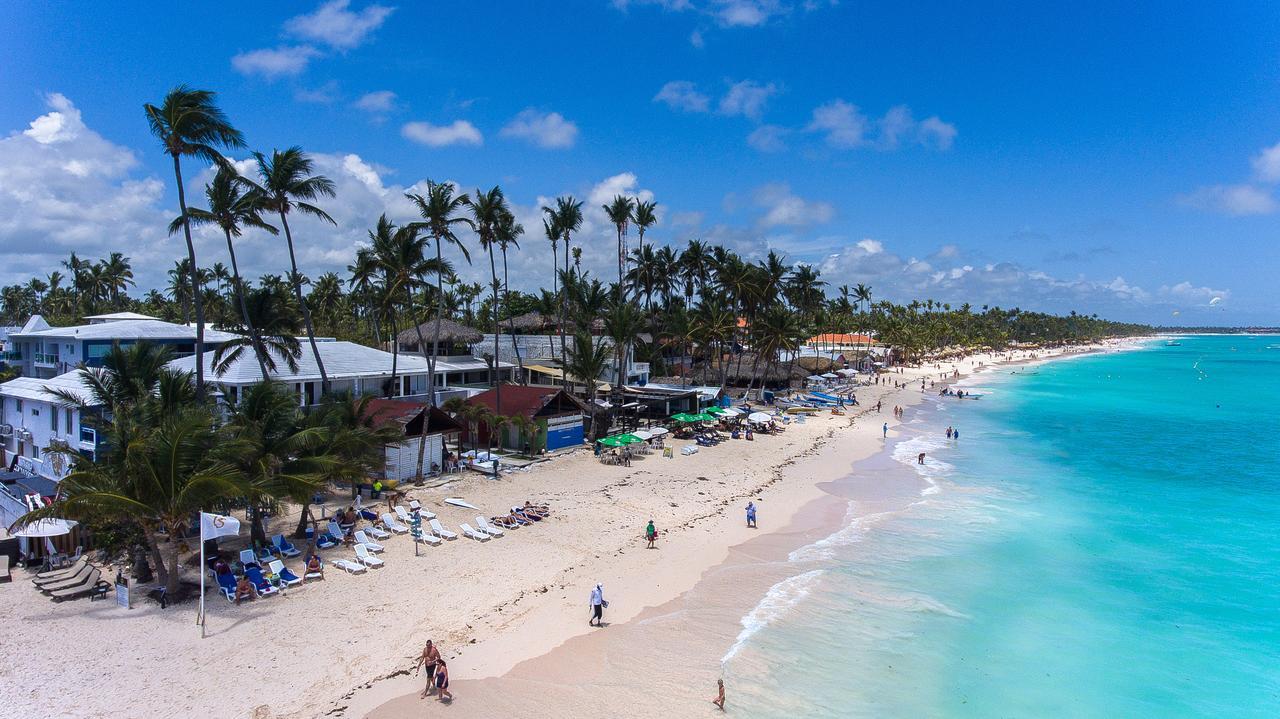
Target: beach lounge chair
x=336, y=532
x=427, y=537
x=390, y=522
x=265, y=555
x=483, y=525
x=287, y=577
x=363, y=540
x=314, y=575
x=470, y=533
x=70, y=581
x=226, y=585
x=350, y=566
x=366, y=557
x=85, y=587
x=403, y=514
x=440, y=531
x=416, y=506
x=58, y=575
x=248, y=559
x=284, y=546
x=260, y=582
x=377, y=532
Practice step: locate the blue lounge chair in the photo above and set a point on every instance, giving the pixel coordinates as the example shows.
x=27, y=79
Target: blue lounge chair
x=265, y=556
x=283, y=547
x=259, y=582
x=324, y=541
x=227, y=585
x=248, y=558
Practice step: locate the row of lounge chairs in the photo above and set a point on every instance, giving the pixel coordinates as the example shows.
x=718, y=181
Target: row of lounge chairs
x=78, y=580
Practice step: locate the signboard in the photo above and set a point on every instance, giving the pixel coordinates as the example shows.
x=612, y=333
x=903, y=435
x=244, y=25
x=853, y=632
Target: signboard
x=122, y=591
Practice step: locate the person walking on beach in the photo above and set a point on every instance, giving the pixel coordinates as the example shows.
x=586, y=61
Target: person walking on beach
x=651, y=534
x=442, y=681
x=751, y=515
x=429, y=660
x=920, y=459
x=598, y=604
x=885, y=430
x=719, y=700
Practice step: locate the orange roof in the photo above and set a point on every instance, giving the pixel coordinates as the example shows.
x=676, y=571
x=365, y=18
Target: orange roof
x=832, y=338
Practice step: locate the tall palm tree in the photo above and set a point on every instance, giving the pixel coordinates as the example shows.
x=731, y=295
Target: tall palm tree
x=286, y=185
x=272, y=314
x=188, y=123
x=508, y=234
x=118, y=275
x=587, y=360
x=623, y=322
x=619, y=212
x=231, y=209
x=567, y=217
x=643, y=216
x=441, y=212
x=488, y=211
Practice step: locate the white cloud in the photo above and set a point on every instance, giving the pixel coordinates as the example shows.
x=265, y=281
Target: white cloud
x=870, y=246
x=696, y=39
x=784, y=208
x=683, y=95
x=845, y=127
x=729, y=13
x=378, y=102
x=747, y=98
x=547, y=130
x=274, y=63
x=843, y=124
x=768, y=138
x=1266, y=164
x=1233, y=200
x=333, y=24
x=459, y=132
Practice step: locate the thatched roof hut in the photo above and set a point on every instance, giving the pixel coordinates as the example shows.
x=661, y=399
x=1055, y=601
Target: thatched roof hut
x=742, y=369
x=452, y=334
x=817, y=365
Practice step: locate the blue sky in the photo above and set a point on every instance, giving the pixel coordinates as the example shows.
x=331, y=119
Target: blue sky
x=1122, y=160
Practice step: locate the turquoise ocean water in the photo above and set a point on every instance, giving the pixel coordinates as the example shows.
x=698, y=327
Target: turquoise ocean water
x=1103, y=541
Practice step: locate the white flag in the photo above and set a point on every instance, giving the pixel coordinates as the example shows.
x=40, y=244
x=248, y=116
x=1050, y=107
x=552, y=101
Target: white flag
x=217, y=525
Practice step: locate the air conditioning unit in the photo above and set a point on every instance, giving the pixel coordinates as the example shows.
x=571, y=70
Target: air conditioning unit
x=6, y=430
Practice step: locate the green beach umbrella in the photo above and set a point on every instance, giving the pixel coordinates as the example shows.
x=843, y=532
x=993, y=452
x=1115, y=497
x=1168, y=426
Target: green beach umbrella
x=713, y=410
x=611, y=442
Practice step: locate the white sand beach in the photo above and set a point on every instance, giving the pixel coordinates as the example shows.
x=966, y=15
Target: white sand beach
x=344, y=647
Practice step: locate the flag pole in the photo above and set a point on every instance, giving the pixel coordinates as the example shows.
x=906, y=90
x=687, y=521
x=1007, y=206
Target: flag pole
x=200, y=619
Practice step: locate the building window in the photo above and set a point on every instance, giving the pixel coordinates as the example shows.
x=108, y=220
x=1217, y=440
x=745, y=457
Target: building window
x=17, y=404
x=53, y=419
x=67, y=431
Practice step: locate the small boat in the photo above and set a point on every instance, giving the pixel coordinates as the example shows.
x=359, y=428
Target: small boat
x=1173, y=343
x=801, y=410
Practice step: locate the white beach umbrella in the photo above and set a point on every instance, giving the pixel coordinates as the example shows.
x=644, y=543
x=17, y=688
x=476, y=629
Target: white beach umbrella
x=657, y=431
x=732, y=412
x=642, y=434
x=46, y=528
x=814, y=378
x=830, y=375
x=759, y=417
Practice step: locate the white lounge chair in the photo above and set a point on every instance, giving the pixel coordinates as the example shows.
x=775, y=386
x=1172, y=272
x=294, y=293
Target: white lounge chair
x=440, y=531
x=350, y=566
x=483, y=525
x=467, y=531
x=402, y=513
x=314, y=575
x=390, y=522
x=247, y=557
x=377, y=532
x=416, y=506
x=366, y=557
x=364, y=540
x=287, y=577
x=336, y=532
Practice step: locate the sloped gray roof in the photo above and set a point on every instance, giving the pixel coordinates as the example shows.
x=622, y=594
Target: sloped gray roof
x=35, y=389
x=127, y=330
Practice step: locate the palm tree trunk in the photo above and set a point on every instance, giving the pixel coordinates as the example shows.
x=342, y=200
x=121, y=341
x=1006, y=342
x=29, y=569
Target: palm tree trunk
x=511, y=325
x=258, y=350
x=435, y=333
x=564, y=317
x=395, y=353
x=195, y=279
x=306, y=313
x=497, y=384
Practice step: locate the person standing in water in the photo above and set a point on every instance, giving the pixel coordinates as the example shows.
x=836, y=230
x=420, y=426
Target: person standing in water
x=955, y=434
x=719, y=700
x=948, y=432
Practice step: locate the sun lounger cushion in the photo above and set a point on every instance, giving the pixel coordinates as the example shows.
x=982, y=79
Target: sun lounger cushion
x=85, y=586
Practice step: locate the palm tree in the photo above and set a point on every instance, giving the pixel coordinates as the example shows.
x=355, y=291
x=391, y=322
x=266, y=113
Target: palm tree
x=488, y=212
x=398, y=253
x=587, y=361
x=231, y=209
x=508, y=233
x=118, y=275
x=189, y=124
x=623, y=323
x=271, y=313
x=287, y=185
x=440, y=211
x=567, y=218
x=619, y=212
x=643, y=217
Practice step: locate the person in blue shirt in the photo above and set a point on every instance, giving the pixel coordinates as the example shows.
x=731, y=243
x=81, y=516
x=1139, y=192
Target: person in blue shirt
x=751, y=515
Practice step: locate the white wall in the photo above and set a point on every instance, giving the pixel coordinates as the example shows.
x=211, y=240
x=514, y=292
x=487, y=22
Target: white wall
x=35, y=416
x=402, y=459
